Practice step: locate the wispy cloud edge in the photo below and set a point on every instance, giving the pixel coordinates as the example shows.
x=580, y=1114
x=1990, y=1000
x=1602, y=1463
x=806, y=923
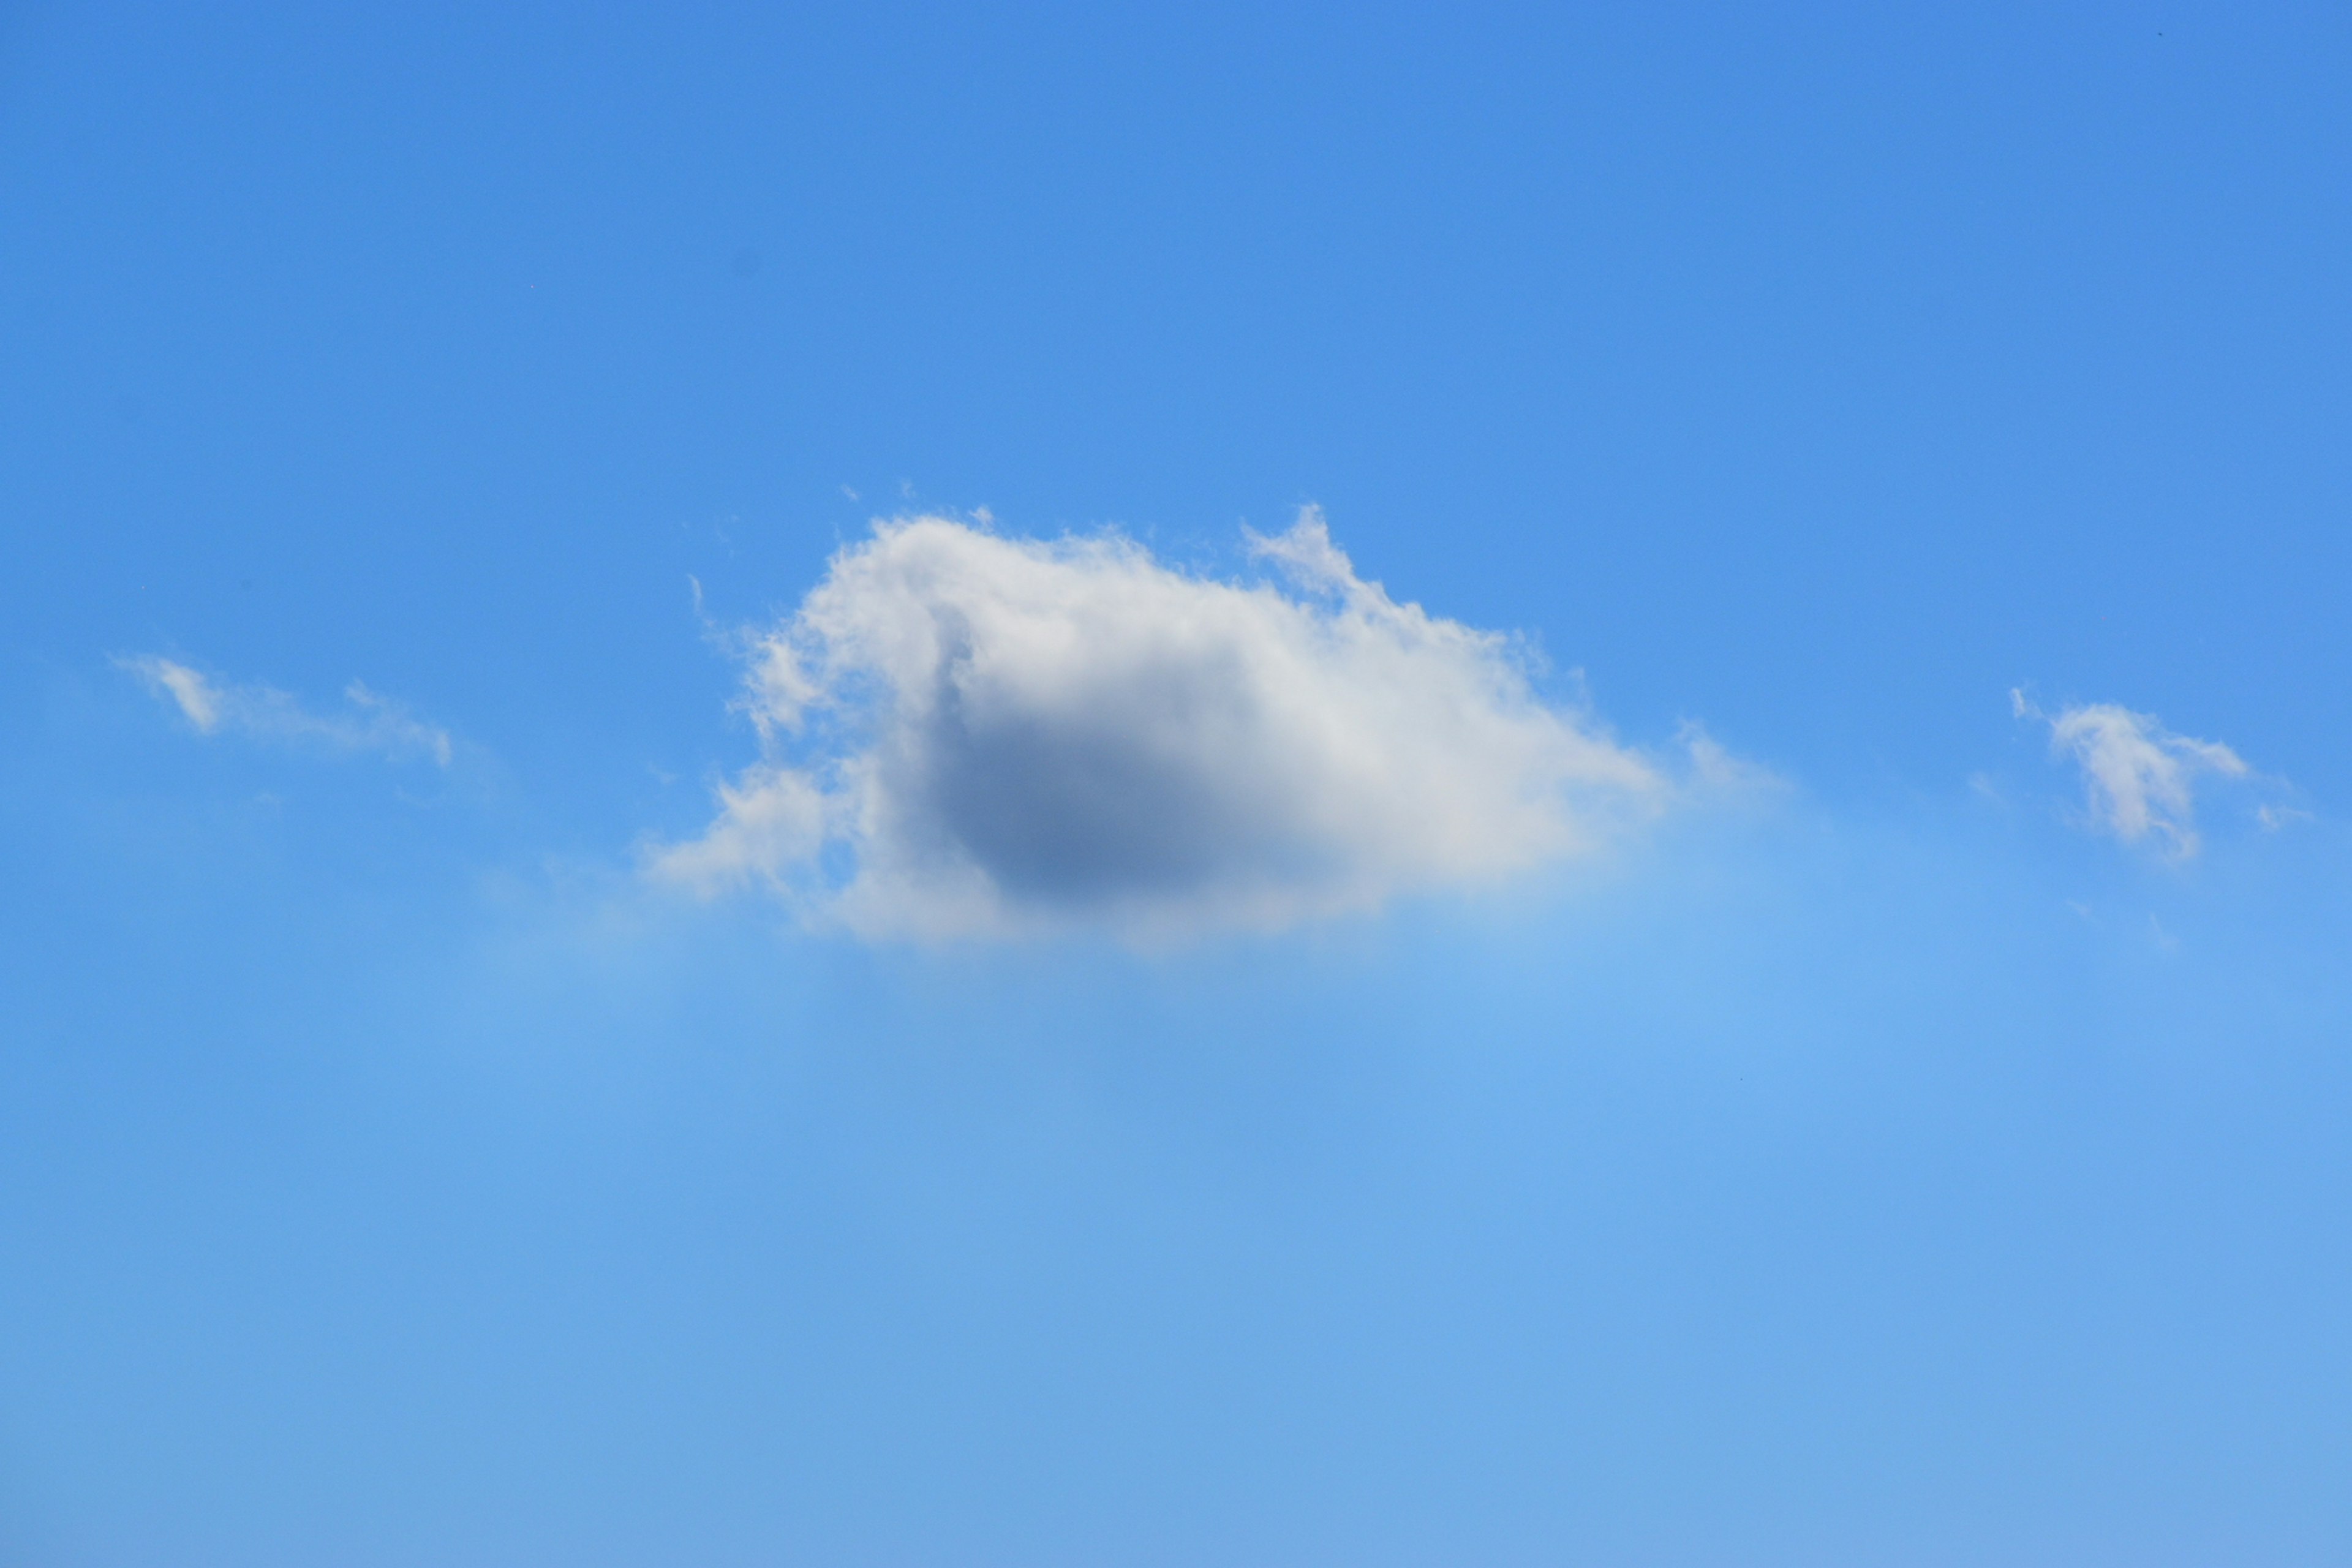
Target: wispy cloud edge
x=373, y=722
x=2138, y=777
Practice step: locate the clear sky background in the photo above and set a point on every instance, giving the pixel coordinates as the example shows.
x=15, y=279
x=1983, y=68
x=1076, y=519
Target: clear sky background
x=1879, y=1155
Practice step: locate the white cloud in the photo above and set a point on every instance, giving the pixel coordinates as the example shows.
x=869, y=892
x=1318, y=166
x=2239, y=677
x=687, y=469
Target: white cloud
x=968, y=734
x=2137, y=776
x=371, y=724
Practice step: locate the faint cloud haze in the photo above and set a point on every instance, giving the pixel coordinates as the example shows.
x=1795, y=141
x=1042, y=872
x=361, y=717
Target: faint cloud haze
x=2138, y=777
x=371, y=724
x=967, y=734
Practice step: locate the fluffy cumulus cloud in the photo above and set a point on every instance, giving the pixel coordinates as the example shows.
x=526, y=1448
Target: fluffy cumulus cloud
x=367, y=722
x=2139, y=778
x=966, y=734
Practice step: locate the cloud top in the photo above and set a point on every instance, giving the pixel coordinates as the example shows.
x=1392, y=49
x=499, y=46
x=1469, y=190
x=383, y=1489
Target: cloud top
x=967, y=734
x=2139, y=778
x=370, y=723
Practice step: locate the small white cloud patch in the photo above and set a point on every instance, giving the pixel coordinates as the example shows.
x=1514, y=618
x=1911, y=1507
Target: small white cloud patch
x=974, y=735
x=2139, y=778
x=197, y=699
x=372, y=724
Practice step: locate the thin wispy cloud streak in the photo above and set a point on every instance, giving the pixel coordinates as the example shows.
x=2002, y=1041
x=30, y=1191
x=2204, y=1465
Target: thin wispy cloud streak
x=972, y=735
x=368, y=723
x=2139, y=778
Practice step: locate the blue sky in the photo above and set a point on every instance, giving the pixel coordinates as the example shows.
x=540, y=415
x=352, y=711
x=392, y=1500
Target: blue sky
x=708, y=862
